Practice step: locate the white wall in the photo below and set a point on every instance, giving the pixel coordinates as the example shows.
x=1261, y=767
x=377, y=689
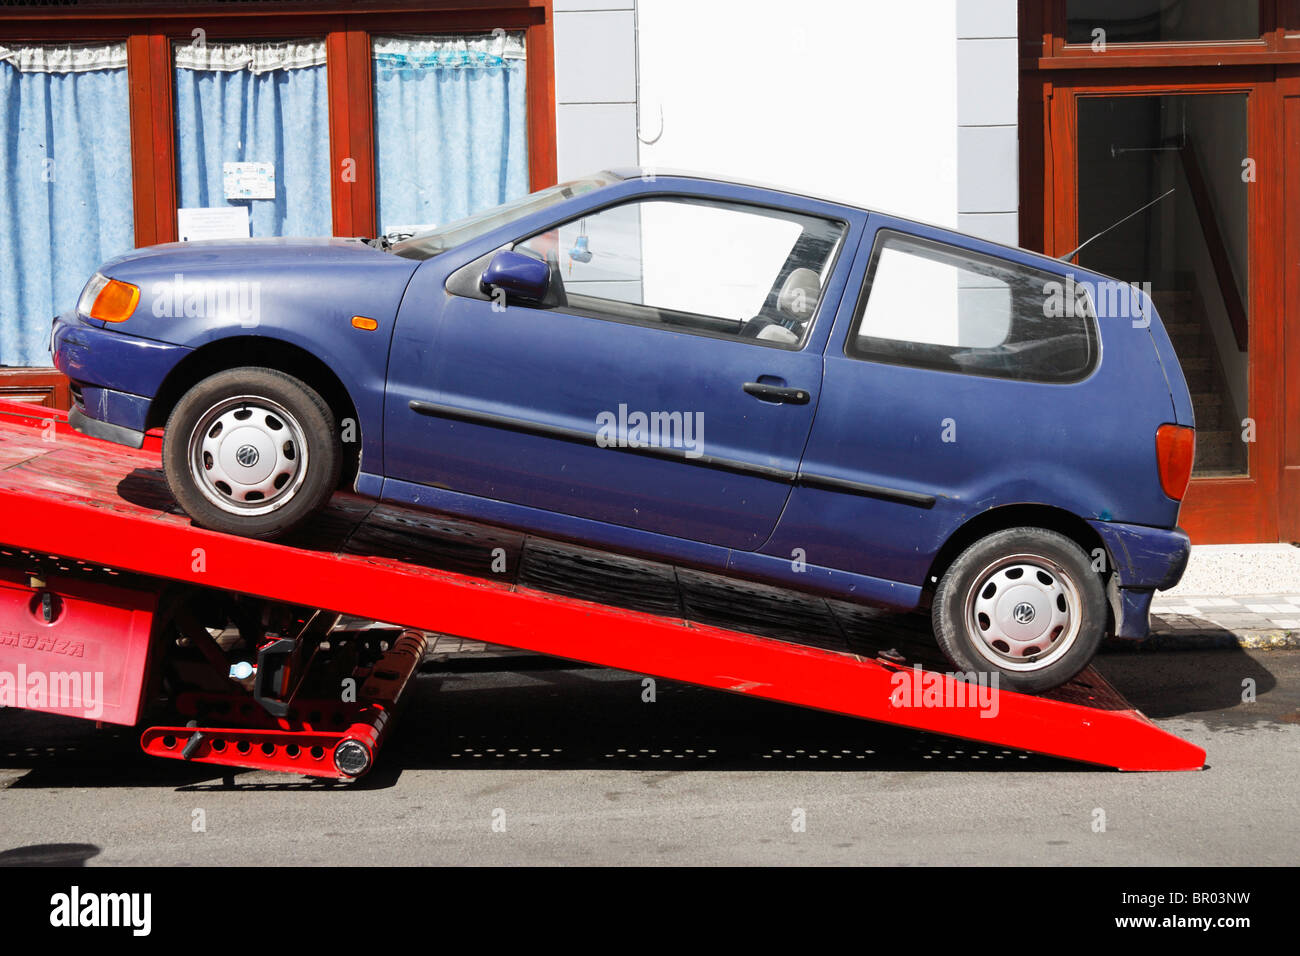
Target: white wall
x=852, y=101
x=905, y=107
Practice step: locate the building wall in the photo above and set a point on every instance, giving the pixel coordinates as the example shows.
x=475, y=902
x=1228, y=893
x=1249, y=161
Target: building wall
x=851, y=101
x=910, y=108
x=595, y=85
x=988, y=187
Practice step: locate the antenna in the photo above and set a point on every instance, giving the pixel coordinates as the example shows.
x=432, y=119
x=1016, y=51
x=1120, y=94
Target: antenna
x=1067, y=258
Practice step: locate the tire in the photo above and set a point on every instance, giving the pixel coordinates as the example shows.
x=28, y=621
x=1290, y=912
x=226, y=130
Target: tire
x=1024, y=604
x=229, y=486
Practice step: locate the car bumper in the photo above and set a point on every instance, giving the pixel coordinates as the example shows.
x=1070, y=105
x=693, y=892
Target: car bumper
x=1144, y=560
x=114, y=377
x=106, y=431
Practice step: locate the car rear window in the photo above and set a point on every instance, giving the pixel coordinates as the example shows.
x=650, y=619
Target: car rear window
x=933, y=305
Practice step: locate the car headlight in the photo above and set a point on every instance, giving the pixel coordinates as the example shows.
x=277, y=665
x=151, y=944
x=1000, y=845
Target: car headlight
x=109, y=300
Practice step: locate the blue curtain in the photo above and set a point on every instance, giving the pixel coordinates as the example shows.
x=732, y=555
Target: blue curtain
x=65, y=196
x=279, y=116
x=451, y=131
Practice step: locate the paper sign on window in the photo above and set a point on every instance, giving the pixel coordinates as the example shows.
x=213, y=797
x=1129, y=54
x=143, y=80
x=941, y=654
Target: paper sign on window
x=219, y=222
x=248, y=180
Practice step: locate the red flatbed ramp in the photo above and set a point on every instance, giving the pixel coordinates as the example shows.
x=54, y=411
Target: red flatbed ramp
x=67, y=495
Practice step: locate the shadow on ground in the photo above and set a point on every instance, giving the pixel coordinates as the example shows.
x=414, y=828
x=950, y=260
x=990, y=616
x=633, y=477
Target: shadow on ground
x=49, y=854
x=533, y=712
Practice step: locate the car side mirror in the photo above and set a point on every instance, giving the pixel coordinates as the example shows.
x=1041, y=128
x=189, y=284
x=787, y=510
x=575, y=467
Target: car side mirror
x=521, y=277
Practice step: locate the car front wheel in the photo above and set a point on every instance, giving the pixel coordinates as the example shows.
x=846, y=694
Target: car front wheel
x=1024, y=604
x=251, y=452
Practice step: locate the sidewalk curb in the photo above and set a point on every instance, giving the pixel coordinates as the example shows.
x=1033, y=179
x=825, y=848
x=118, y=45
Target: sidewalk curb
x=1207, y=639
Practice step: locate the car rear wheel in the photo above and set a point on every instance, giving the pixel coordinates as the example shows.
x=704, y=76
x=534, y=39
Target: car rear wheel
x=252, y=452
x=1023, y=604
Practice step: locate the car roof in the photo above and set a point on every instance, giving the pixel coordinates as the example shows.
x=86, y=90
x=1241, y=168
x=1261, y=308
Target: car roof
x=638, y=172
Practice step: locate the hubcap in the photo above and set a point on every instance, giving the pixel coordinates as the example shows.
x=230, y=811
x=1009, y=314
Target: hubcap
x=1023, y=612
x=248, y=455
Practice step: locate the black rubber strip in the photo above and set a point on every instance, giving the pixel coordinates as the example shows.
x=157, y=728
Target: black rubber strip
x=579, y=437
x=867, y=491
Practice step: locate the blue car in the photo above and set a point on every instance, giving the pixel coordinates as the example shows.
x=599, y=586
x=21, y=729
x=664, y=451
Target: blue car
x=719, y=375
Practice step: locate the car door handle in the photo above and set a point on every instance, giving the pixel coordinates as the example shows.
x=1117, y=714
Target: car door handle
x=777, y=393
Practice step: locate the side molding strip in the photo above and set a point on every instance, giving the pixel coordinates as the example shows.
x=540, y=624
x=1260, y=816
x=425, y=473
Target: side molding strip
x=579, y=437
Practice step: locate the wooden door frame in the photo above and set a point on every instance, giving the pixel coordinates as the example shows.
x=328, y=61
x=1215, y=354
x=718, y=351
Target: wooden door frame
x=1288, y=110
x=1216, y=510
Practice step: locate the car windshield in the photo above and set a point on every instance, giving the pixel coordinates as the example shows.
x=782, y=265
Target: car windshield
x=428, y=244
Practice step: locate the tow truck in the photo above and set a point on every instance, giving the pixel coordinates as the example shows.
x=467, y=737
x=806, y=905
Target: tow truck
x=248, y=654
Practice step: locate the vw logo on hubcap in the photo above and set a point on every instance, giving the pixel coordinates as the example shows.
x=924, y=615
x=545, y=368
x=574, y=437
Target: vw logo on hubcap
x=247, y=456
x=1023, y=612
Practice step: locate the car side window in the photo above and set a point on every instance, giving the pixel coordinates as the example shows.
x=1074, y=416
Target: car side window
x=933, y=305
x=694, y=266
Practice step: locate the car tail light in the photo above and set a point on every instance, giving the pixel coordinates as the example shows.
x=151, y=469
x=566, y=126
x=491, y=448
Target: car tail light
x=109, y=300
x=1175, y=450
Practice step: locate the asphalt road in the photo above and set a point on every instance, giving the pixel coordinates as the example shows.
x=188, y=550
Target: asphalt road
x=555, y=764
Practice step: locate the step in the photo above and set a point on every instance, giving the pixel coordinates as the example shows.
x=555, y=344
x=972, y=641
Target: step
x=1192, y=332
x=1218, y=449
x=1211, y=415
x=1174, y=307
x=1195, y=363
x=1208, y=403
x=1201, y=379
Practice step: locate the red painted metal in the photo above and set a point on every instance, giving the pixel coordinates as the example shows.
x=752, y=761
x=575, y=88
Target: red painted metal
x=306, y=739
x=70, y=496
x=302, y=751
x=74, y=647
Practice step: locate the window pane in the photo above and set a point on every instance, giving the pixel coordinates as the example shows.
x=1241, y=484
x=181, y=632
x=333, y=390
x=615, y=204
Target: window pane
x=698, y=266
x=935, y=306
x=263, y=103
x=918, y=299
x=451, y=127
x=65, y=184
x=1169, y=21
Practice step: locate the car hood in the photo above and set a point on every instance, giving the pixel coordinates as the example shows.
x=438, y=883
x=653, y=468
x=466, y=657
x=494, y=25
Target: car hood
x=234, y=255
x=192, y=292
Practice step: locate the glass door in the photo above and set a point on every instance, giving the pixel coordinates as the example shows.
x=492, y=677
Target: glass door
x=1189, y=251
x=1198, y=252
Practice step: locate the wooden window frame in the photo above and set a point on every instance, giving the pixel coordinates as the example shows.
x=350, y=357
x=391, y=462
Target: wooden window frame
x=1043, y=46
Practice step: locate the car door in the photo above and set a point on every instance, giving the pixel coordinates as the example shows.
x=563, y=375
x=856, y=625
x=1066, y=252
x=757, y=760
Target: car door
x=632, y=398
